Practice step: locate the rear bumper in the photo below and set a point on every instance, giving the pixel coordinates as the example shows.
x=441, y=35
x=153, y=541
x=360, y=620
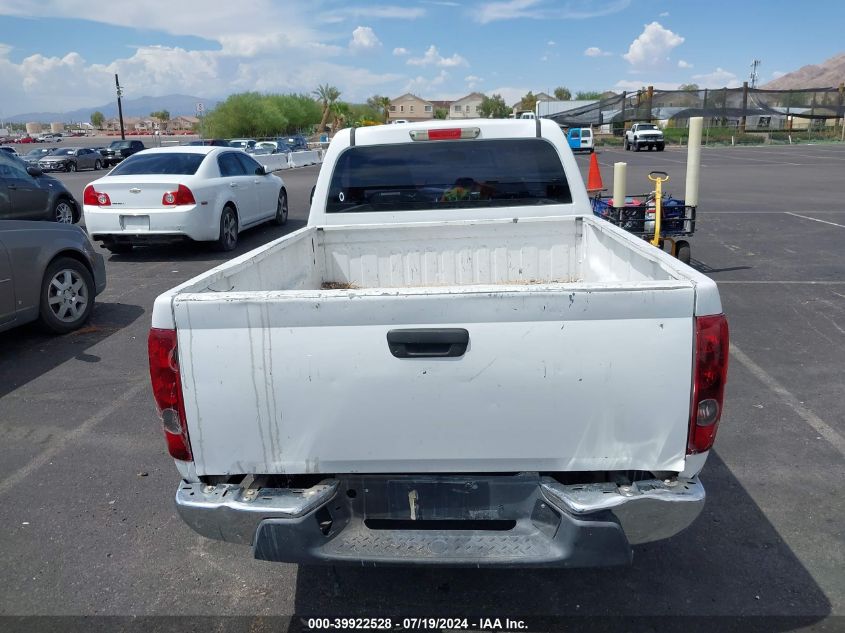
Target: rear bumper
x=162, y=225
x=523, y=520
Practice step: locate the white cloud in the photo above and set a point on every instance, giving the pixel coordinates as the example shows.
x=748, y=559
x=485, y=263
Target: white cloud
x=473, y=81
x=401, y=52
x=423, y=86
x=551, y=43
x=665, y=14
x=683, y=64
x=364, y=39
x=719, y=78
x=373, y=12
x=595, y=51
x=545, y=10
x=442, y=3
x=432, y=57
x=544, y=58
x=510, y=94
x=652, y=46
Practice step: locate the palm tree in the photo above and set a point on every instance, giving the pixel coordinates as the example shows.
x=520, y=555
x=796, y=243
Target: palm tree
x=327, y=95
x=340, y=111
x=381, y=104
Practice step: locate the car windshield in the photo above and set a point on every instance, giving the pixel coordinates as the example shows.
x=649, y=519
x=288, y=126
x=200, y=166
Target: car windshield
x=648, y=126
x=119, y=144
x=176, y=163
x=38, y=152
x=448, y=174
x=63, y=152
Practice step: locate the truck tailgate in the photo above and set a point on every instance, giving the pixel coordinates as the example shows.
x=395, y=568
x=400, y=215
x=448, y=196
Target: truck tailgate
x=554, y=378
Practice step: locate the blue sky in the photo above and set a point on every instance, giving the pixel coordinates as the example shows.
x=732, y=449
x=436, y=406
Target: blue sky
x=58, y=55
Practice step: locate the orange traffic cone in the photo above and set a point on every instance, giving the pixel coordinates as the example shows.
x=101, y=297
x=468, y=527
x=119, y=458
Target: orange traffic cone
x=594, y=183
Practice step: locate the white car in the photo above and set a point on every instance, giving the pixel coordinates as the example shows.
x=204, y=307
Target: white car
x=170, y=193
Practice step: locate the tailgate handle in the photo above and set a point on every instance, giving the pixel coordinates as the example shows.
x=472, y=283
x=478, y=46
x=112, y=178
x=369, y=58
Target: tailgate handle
x=428, y=342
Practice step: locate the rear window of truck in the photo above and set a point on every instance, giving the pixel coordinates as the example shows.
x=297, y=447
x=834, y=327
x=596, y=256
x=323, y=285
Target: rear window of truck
x=450, y=174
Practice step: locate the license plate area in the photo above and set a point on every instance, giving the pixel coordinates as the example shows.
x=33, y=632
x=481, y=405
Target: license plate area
x=441, y=498
x=135, y=222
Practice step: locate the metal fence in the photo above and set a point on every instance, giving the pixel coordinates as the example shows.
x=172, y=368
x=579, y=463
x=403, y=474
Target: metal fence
x=736, y=114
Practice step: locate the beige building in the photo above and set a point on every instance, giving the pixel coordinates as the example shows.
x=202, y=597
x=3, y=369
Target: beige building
x=410, y=107
x=468, y=107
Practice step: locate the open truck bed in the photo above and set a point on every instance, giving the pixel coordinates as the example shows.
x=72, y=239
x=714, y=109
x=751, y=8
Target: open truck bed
x=561, y=313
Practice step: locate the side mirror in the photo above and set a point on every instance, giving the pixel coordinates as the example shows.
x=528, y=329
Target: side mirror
x=261, y=170
x=33, y=171
x=313, y=189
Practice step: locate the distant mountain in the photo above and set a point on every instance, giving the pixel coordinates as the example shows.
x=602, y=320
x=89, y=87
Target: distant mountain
x=142, y=106
x=827, y=74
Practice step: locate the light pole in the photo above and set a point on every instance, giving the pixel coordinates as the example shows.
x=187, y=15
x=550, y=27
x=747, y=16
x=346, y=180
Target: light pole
x=119, y=106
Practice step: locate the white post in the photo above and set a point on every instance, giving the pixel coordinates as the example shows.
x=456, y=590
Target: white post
x=693, y=160
x=619, y=183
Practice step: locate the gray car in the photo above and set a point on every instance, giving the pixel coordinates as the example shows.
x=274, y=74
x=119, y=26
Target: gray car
x=71, y=159
x=48, y=272
x=27, y=194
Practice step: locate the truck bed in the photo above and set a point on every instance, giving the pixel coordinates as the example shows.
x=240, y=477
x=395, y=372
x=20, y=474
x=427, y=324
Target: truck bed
x=576, y=331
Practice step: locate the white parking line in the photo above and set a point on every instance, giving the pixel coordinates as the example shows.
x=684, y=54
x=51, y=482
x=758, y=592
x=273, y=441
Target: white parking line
x=58, y=444
x=798, y=215
x=815, y=422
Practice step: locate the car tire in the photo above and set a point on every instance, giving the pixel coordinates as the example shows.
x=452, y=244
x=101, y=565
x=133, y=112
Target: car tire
x=661, y=147
x=625, y=145
x=71, y=167
x=228, y=237
x=281, y=209
x=67, y=296
x=63, y=212
x=97, y=165
x=636, y=147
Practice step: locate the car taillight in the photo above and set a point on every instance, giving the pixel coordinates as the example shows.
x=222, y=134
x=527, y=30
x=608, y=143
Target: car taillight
x=182, y=195
x=710, y=370
x=95, y=198
x=167, y=391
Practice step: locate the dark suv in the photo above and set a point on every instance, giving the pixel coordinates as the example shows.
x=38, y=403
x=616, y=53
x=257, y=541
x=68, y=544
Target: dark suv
x=119, y=150
x=27, y=194
x=293, y=143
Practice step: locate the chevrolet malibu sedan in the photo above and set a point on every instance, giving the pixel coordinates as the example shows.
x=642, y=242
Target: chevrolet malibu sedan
x=206, y=194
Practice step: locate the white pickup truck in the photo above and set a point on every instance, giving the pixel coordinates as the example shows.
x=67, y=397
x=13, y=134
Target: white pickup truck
x=454, y=363
x=644, y=136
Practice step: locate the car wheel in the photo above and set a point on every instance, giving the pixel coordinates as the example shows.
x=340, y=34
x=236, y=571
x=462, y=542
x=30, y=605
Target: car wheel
x=63, y=212
x=71, y=166
x=67, y=296
x=97, y=165
x=228, y=239
x=636, y=147
x=660, y=147
x=281, y=209
x=625, y=145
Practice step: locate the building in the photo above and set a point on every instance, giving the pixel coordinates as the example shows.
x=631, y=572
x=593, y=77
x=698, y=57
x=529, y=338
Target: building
x=182, y=122
x=468, y=107
x=410, y=107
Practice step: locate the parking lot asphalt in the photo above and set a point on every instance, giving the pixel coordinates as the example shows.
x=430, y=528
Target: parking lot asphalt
x=86, y=487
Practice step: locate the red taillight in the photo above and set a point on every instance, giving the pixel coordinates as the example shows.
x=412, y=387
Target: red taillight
x=95, y=198
x=182, y=195
x=442, y=135
x=167, y=391
x=710, y=370
x=445, y=134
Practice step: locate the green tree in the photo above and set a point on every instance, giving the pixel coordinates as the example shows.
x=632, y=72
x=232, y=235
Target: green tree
x=494, y=107
x=245, y=114
x=341, y=114
x=689, y=87
x=528, y=102
x=562, y=93
x=163, y=118
x=97, y=119
x=327, y=95
x=381, y=105
x=587, y=95
x=441, y=113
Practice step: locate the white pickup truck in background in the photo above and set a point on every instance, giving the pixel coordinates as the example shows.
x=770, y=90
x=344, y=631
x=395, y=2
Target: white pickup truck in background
x=455, y=363
x=644, y=136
